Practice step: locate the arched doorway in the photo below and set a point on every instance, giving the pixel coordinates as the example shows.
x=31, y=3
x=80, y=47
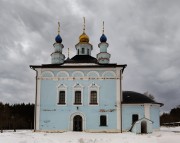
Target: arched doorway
x=77, y=123
x=143, y=127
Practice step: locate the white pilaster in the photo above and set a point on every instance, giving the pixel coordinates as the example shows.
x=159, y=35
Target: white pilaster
x=38, y=99
x=147, y=111
x=118, y=98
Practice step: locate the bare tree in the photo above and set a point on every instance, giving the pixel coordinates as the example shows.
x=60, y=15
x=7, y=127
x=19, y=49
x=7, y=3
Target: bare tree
x=149, y=95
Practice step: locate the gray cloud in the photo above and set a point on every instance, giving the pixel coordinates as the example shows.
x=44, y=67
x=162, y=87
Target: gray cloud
x=142, y=34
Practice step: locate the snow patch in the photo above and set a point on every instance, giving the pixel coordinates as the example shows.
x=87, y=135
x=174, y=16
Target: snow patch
x=165, y=135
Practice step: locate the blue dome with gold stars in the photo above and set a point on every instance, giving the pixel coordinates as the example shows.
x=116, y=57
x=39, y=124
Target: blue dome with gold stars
x=103, y=38
x=58, y=39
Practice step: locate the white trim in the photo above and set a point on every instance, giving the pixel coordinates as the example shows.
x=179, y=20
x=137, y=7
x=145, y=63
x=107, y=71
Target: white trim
x=111, y=72
x=118, y=98
x=38, y=101
x=91, y=88
x=77, y=64
x=92, y=72
x=83, y=118
x=147, y=110
x=64, y=72
x=133, y=104
x=84, y=69
x=61, y=87
x=74, y=78
x=77, y=89
x=50, y=72
x=78, y=72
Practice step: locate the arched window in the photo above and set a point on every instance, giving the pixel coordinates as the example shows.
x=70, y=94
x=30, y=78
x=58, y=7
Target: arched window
x=103, y=120
x=82, y=50
x=93, y=97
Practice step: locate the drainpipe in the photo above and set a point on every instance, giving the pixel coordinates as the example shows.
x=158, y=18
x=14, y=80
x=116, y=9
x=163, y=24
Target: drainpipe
x=35, y=107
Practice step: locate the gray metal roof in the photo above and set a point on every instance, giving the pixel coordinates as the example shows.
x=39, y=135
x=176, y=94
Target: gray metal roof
x=131, y=97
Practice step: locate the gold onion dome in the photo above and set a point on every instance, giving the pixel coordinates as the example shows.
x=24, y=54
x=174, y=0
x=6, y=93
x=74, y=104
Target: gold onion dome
x=83, y=38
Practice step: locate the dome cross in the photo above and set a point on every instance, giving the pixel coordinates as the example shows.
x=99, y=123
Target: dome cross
x=103, y=28
x=58, y=27
x=84, y=25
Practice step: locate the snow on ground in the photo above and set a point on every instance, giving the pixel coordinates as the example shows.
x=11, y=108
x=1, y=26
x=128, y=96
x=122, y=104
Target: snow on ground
x=165, y=135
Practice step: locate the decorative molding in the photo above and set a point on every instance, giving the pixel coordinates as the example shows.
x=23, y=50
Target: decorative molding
x=78, y=72
x=45, y=73
x=105, y=74
x=62, y=72
x=93, y=73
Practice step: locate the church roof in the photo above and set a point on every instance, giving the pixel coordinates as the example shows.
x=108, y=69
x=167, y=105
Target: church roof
x=69, y=65
x=131, y=97
x=82, y=59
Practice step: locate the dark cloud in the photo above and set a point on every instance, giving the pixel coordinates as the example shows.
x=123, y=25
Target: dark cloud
x=142, y=34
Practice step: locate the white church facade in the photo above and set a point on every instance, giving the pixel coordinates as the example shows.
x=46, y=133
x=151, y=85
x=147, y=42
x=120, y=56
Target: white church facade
x=85, y=93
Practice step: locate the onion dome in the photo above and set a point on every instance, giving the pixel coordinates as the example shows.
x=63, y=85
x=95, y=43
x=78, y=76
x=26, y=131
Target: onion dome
x=83, y=38
x=103, y=38
x=58, y=39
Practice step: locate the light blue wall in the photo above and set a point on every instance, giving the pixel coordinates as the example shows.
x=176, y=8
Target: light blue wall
x=155, y=116
x=127, y=112
x=57, y=117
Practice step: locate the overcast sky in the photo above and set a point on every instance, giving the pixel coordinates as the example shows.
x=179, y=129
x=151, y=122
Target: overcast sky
x=144, y=34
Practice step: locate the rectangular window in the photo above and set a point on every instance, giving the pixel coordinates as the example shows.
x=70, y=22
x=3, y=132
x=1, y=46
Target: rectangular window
x=103, y=120
x=62, y=97
x=93, y=97
x=88, y=52
x=134, y=118
x=82, y=50
x=77, y=97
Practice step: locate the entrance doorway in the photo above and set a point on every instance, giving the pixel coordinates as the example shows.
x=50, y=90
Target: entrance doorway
x=77, y=123
x=143, y=127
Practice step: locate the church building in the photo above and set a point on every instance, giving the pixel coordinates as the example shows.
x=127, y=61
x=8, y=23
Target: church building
x=84, y=93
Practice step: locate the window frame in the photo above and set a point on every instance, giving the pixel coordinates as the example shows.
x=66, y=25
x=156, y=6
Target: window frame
x=62, y=103
x=75, y=98
x=77, y=87
x=91, y=101
x=93, y=87
x=61, y=87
